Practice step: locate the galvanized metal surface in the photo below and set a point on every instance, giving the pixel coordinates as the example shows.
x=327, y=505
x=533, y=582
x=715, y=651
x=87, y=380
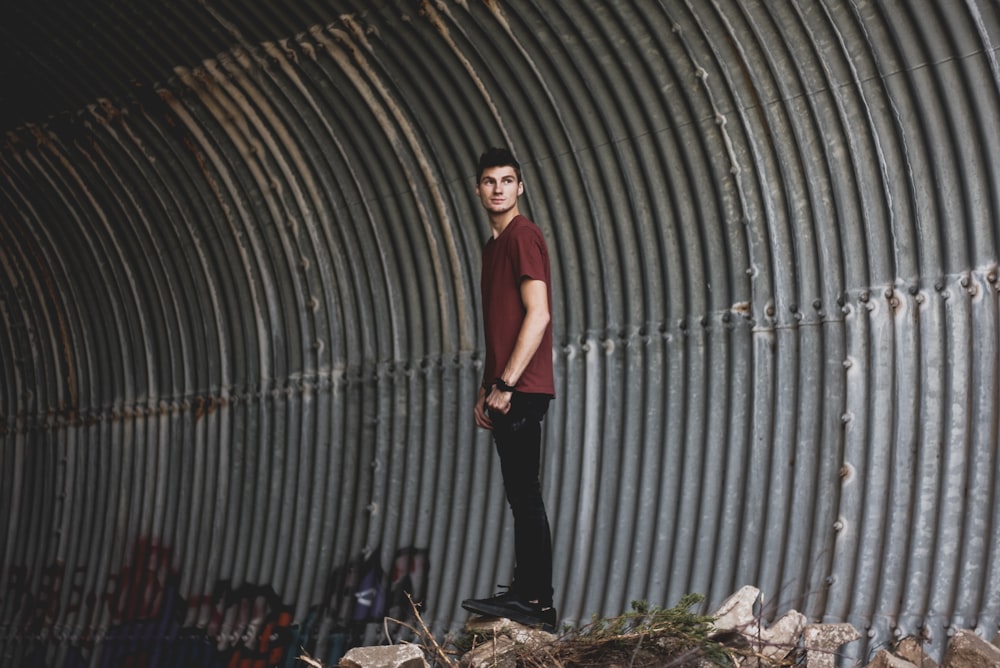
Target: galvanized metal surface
x=240, y=343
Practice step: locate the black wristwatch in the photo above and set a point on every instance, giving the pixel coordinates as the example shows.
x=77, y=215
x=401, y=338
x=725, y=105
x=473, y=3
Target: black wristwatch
x=502, y=386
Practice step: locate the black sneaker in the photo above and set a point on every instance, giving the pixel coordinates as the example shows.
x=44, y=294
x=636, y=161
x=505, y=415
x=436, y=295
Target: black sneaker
x=510, y=606
x=507, y=594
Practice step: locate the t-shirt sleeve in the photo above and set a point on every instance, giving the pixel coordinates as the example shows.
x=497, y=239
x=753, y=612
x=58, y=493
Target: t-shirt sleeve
x=530, y=257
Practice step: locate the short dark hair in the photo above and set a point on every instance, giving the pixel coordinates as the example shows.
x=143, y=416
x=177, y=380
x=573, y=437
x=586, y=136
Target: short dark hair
x=497, y=157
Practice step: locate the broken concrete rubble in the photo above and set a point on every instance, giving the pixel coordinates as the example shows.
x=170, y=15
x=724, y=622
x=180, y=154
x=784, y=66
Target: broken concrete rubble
x=504, y=637
x=740, y=613
x=738, y=624
x=968, y=650
x=385, y=656
x=911, y=650
x=885, y=660
x=823, y=640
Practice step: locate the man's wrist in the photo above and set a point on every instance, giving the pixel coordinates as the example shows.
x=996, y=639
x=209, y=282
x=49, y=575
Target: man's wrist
x=502, y=385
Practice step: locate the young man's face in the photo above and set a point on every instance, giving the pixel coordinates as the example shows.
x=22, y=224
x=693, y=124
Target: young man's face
x=498, y=189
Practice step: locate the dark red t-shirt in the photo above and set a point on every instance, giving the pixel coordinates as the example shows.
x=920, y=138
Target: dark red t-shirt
x=519, y=253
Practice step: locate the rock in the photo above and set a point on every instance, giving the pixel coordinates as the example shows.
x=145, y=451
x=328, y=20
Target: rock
x=741, y=613
x=502, y=637
x=885, y=660
x=737, y=612
x=912, y=650
x=497, y=652
x=968, y=650
x=496, y=626
x=822, y=641
x=781, y=638
x=384, y=656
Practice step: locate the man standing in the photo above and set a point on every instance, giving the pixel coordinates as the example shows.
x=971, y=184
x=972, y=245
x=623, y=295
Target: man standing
x=517, y=383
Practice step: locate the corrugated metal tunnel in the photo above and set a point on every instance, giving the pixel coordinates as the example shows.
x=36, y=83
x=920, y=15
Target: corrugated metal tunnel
x=239, y=256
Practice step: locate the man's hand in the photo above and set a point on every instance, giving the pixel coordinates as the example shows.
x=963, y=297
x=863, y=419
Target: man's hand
x=479, y=411
x=498, y=400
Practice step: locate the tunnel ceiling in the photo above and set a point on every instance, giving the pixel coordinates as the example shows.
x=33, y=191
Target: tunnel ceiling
x=239, y=263
x=62, y=55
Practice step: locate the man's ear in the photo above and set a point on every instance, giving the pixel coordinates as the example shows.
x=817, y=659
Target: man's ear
x=520, y=188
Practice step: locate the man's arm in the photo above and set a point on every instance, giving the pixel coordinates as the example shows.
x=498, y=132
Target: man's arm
x=535, y=297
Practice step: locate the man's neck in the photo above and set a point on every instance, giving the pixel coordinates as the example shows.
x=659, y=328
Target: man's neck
x=500, y=222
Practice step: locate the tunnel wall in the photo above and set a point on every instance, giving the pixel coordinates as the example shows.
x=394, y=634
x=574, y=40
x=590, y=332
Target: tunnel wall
x=241, y=340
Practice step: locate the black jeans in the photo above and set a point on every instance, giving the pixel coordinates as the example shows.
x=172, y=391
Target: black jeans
x=518, y=439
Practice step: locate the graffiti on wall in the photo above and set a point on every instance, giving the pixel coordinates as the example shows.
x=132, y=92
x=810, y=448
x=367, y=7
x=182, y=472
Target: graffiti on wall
x=149, y=623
